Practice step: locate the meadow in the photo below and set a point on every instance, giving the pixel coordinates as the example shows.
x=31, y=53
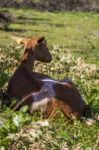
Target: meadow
x=73, y=39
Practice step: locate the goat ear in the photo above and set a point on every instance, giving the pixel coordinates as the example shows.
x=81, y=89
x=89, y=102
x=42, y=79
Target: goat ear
x=41, y=39
x=19, y=40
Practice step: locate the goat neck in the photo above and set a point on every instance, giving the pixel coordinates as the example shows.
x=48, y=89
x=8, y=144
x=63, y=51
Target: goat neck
x=28, y=58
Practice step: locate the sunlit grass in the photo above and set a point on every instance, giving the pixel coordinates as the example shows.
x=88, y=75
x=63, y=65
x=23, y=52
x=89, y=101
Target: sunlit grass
x=76, y=31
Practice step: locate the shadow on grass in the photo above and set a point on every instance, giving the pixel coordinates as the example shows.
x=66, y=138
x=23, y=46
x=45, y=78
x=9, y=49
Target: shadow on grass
x=14, y=30
x=42, y=30
x=30, y=18
x=36, y=21
x=23, y=30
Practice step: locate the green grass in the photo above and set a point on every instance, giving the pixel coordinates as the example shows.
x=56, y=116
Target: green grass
x=79, y=32
x=75, y=35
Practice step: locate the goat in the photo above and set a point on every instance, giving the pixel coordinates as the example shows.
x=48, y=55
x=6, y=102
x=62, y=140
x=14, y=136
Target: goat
x=36, y=89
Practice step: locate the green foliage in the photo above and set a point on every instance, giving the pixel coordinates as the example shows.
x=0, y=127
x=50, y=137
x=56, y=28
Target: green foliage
x=9, y=58
x=76, y=135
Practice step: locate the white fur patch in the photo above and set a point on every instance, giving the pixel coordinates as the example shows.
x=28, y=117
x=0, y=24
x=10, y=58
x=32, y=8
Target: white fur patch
x=39, y=104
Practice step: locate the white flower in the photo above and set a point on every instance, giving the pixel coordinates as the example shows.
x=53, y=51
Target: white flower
x=43, y=123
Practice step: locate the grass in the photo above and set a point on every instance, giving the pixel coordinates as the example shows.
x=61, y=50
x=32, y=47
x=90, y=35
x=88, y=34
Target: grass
x=73, y=38
x=76, y=31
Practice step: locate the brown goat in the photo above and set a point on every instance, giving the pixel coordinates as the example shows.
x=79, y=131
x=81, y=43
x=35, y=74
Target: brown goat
x=36, y=89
